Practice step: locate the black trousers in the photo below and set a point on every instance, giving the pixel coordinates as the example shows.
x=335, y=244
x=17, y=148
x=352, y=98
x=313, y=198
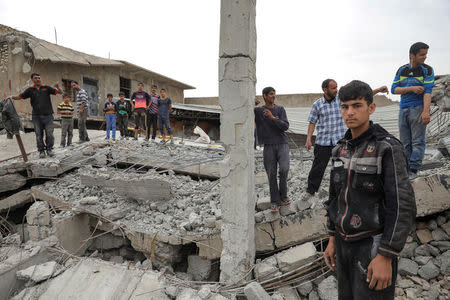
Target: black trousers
x=352, y=259
x=322, y=155
x=122, y=121
x=277, y=155
x=152, y=120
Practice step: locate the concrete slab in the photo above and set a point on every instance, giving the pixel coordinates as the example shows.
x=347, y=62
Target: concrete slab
x=10, y=182
x=100, y=280
x=295, y=257
x=432, y=193
x=145, y=188
x=17, y=200
x=72, y=231
x=53, y=201
x=18, y=259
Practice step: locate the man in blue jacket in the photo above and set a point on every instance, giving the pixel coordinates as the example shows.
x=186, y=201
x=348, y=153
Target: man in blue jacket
x=414, y=82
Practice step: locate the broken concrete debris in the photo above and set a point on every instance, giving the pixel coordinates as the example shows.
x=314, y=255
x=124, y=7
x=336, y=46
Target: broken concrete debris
x=254, y=291
x=40, y=272
x=142, y=188
x=178, y=238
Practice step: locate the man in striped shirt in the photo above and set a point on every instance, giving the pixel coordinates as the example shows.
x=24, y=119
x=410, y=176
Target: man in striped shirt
x=65, y=109
x=152, y=112
x=82, y=108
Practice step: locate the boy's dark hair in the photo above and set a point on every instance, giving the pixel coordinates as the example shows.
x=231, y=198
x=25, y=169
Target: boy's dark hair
x=109, y=95
x=121, y=93
x=267, y=90
x=163, y=90
x=356, y=89
x=416, y=47
x=34, y=74
x=73, y=81
x=140, y=83
x=66, y=95
x=326, y=83
x=154, y=86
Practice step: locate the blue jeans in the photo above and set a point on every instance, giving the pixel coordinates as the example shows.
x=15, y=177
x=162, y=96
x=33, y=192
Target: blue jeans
x=164, y=122
x=412, y=135
x=111, y=123
x=43, y=123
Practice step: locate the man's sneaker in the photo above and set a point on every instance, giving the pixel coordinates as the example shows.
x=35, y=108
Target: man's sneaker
x=274, y=208
x=135, y=138
x=106, y=138
x=306, y=196
x=62, y=145
x=41, y=154
x=87, y=139
x=285, y=202
x=50, y=153
x=113, y=139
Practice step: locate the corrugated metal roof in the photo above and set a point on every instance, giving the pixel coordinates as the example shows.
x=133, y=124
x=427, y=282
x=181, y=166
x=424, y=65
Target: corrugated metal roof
x=198, y=107
x=46, y=51
x=386, y=116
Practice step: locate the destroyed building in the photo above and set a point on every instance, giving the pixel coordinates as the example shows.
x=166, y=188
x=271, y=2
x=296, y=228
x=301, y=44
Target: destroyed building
x=22, y=54
x=107, y=220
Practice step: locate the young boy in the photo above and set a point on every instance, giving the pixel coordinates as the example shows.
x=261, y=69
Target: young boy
x=65, y=109
x=110, y=114
x=123, y=110
x=371, y=206
x=164, y=107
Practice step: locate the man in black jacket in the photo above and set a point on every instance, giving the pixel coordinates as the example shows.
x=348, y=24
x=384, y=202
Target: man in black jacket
x=271, y=125
x=371, y=205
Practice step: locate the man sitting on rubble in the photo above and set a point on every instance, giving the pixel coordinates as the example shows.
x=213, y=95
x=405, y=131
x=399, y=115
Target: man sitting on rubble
x=42, y=113
x=371, y=205
x=271, y=125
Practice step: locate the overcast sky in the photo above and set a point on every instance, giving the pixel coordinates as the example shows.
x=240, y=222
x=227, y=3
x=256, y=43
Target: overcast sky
x=300, y=43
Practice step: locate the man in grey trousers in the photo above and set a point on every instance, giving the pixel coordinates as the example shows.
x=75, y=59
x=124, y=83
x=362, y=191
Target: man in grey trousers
x=82, y=108
x=271, y=125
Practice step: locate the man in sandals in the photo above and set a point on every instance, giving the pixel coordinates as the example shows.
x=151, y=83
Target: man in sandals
x=271, y=125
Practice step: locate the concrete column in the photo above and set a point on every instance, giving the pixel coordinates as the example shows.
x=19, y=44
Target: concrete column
x=237, y=78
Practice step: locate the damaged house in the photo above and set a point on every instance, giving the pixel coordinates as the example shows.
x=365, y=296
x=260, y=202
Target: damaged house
x=22, y=54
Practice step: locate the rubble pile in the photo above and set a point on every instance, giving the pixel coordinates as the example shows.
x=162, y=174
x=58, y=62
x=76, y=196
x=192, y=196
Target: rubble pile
x=193, y=208
x=424, y=265
x=154, y=212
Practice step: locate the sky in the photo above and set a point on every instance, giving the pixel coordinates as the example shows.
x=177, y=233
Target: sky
x=299, y=43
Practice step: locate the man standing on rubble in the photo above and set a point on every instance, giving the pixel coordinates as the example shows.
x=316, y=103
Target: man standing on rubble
x=82, y=108
x=152, y=113
x=42, y=113
x=325, y=116
x=414, y=82
x=371, y=205
x=140, y=100
x=271, y=125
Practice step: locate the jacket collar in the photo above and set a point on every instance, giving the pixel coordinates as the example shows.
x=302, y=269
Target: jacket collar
x=374, y=131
